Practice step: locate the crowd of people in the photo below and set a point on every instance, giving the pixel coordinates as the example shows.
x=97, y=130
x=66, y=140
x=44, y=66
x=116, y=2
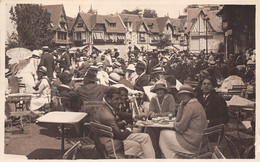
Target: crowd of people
x=120, y=86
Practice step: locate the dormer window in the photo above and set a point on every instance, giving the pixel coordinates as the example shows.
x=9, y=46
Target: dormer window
x=80, y=25
x=150, y=26
x=112, y=25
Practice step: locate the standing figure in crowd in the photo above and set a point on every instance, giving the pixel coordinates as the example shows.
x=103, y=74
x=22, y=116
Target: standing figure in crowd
x=142, y=79
x=215, y=106
x=65, y=61
x=47, y=60
x=189, y=124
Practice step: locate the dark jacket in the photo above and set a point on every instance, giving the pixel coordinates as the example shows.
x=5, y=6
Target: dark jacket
x=65, y=61
x=106, y=116
x=47, y=60
x=141, y=82
x=215, y=107
x=70, y=104
x=90, y=92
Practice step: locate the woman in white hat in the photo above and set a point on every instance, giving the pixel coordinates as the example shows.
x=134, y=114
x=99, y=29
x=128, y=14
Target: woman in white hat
x=42, y=89
x=189, y=124
x=131, y=75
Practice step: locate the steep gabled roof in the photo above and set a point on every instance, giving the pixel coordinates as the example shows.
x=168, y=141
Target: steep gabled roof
x=91, y=20
x=214, y=20
x=178, y=23
x=153, y=22
x=55, y=13
x=88, y=19
x=136, y=20
x=161, y=23
x=71, y=22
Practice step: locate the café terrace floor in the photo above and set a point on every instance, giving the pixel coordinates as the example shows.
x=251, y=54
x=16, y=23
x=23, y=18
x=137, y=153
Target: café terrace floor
x=44, y=142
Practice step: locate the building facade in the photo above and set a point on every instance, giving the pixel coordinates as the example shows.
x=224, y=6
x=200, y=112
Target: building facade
x=204, y=30
x=58, y=24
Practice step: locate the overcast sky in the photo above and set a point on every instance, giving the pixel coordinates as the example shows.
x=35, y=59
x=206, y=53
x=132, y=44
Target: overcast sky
x=104, y=7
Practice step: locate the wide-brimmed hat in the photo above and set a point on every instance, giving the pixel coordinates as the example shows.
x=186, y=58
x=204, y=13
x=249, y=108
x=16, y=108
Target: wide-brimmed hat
x=91, y=76
x=119, y=71
x=159, y=85
x=94, y=68
x=65, y=77
x=157, y=70
x=185, y=88
x=131, y=67
x=114, y=78
x=43, y=69
x=117, y=64
x=100, y=64
x=140, y=65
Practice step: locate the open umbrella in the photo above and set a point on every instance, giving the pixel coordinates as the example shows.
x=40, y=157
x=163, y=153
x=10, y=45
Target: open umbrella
x=19, y=53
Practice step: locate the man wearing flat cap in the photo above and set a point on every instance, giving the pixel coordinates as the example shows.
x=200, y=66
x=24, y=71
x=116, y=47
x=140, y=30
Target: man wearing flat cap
x=142, y=79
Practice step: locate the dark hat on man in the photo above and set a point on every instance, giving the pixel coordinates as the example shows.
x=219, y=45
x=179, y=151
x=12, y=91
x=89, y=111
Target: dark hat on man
x=65, y=77
x=140, y=65
x=157, y=86
x=91, y=76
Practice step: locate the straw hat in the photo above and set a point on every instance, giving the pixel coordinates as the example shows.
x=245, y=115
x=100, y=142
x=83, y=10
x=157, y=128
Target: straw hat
x=158, y=85
x=131, y=67
x=117, y=64
x=157, y=70
x=114, y=78
x=185, y=88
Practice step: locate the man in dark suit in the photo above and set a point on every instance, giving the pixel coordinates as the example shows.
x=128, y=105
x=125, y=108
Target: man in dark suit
x=65, y=61
x=142, y=80
x=138, y=144
x=47, y=60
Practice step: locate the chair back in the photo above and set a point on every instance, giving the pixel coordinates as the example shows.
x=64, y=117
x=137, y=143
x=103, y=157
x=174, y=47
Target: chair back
x=218, y=129
x=100, y=130
x=90, y=108
x=217, y=154
x=21, y=102
x=72, y=151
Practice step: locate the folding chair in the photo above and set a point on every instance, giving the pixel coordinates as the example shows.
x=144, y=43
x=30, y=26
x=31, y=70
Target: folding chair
x=205, y=141
x=21, y=112
x=100, y=130
x=217, y=154
x=72, y=151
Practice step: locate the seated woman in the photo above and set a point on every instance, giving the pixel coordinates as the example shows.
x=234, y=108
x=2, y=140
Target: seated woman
x=214, y=105
x=233, y=79
x=42, y=89
x=189, y=124
x=162, y=104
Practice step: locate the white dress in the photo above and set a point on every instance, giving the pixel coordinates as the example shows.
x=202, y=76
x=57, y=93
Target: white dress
x=44, y=97
x=27, y=74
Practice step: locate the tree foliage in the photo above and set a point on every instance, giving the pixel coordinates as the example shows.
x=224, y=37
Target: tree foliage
x=148, y=13
x=32, y=25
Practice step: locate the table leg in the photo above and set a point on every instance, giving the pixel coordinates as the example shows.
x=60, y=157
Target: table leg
x=62, y=138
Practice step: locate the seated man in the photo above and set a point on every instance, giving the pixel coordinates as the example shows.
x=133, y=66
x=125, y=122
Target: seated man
x=69, y=104
x=106, y=115
x=125, y=111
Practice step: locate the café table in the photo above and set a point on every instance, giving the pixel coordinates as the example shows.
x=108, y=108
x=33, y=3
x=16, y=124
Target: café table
x=158, y=124
x=61, y=117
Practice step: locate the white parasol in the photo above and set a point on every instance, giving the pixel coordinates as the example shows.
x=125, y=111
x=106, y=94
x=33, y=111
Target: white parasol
x=19, y=53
